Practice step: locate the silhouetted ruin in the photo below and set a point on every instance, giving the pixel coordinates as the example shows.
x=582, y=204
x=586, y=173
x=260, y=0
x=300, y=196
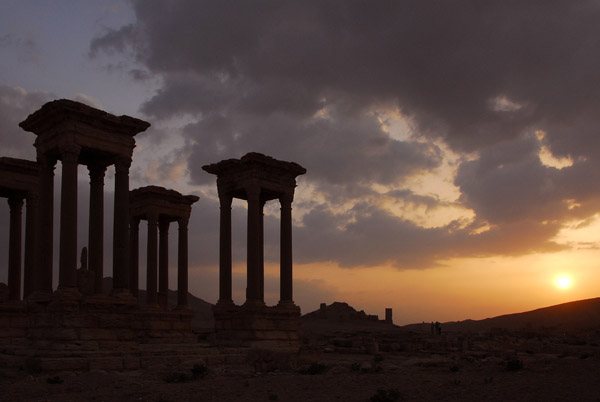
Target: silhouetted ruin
x=80, y=315
x=160, y=207
x=257, y=179
x=18, y=182
x=77, y=315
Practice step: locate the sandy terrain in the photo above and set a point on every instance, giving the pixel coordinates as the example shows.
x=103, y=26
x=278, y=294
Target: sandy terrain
x=436, y=371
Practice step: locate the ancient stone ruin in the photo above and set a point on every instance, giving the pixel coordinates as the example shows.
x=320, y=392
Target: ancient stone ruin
x=257, y=179
x=80, y=316
x=160, y=207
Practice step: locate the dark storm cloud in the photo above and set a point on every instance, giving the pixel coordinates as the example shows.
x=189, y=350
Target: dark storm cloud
x=376, y=237
x=304, y=81
x=15, y=105
x=344, y=150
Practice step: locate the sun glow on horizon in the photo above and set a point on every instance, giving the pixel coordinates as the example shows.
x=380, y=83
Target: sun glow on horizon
x=563, y=281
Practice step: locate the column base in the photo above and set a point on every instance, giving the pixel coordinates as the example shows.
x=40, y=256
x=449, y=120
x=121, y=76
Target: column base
x=253, y=304
x=67, y=293
x=39, y=296
x=246, y=325
x=288, y=305
x=123, y=295
x=183, y=309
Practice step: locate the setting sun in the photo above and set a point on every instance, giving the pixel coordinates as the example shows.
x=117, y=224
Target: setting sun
x=563, y=281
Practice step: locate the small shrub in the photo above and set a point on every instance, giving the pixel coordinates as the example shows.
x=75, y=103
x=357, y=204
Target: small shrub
x=315, y=368
x=386, y=395
x=54, y=380
x=198, y=371
x=514, y=365
x=33, y=365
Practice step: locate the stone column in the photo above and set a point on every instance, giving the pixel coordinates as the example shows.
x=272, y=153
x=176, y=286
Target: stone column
x=134, y=261
x=253, y=247
x=151, y=262
x=182, y=264
x=67, y=279
x=30, y=244
x=96, y=226
x=14, y=248
x=261, y=264
x=225, y=251
x=286, y=284
x=121, y=229
x=163, y=264
x=42, y=277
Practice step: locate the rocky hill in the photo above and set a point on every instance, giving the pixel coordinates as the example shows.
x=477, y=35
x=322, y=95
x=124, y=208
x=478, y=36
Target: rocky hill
x=574, y=316
x=341, y=317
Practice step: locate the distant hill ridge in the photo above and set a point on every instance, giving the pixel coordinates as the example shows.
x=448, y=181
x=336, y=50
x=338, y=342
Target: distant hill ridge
x=577, y=315
x=339, y=311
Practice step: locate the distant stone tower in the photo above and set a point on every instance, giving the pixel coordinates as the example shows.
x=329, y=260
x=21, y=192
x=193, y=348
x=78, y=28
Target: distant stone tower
x=388, y=315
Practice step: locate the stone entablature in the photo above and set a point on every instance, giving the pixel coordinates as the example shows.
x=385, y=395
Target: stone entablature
x=97, y=132
x=18, y=182
x=159, y=207
x=76, y=134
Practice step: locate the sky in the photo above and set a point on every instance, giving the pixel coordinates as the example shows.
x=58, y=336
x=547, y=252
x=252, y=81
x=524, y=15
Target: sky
x=452, y=148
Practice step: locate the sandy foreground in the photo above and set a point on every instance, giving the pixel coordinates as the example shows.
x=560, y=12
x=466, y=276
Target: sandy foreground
x=443, y=374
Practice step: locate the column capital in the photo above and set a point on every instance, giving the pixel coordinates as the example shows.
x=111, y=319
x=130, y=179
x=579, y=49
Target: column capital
x=69, y=152
x=152, y=217
x=134, y=221
x=15, y=204
x=122, y=164
x=163, y=225
x=32, y=198
x=183, y=222
x=253, y=192
x=45, y=161
x=225, y=199
x=286, y=199
x=96, y=172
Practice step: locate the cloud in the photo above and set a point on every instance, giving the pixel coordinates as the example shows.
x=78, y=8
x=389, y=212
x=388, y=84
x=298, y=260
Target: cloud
x=309, y=81
x=15, y=105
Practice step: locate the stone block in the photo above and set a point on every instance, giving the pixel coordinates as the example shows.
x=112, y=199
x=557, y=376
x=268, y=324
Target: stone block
x=114, y=320
x=117, y=345
x=12, y=332
x=98, y=334
x=19, y=322
x=182, y=325
x=235, y=359
x=64, y=364
x=155, y=324
x=148, y=361
x=131, y=363
x=106, y=363
x=77, y=321
x=125, y=334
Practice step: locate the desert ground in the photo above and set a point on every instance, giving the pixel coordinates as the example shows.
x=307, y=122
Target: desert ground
x=347, y=360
